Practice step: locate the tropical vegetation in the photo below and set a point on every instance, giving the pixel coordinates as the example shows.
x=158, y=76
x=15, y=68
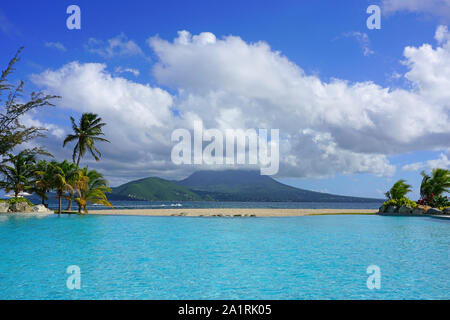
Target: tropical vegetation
x=398, y=190
x=17, y=171
x=43, y=176
x=433, y=188
x=400, y=203
x=91, y=187
x=85, y=134
x=23, y=171
x=13, y=132
x=17, y=200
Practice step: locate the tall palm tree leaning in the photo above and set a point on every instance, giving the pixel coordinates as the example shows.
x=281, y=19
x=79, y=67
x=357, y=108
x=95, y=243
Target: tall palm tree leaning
x=86, y=133
x=70, y=176
x=91, y=186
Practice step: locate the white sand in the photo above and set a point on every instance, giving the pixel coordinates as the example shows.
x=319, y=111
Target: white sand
x=233, y=212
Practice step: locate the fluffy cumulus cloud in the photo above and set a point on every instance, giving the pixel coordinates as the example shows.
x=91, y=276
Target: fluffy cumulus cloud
x=325, y=127
x=440, y=8
x=137, y=115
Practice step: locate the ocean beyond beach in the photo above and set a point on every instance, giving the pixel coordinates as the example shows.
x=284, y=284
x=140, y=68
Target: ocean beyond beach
x=309, y=257
x=158, y=205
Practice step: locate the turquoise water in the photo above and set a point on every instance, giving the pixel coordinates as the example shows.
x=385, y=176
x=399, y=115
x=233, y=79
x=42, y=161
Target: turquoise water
x=316, y=257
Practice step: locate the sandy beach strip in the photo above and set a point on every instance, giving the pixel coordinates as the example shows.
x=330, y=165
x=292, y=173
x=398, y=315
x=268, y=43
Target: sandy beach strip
x=231, y=212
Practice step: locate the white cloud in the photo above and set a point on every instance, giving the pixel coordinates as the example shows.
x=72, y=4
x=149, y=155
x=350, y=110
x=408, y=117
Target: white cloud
x=442, y=162
x=440, y=8
x=137, y=115
x=326, y=127
x=54, y=135
x=363, y=40
x=52, y=129
x=56, y=45
x=117, y=46
x=120, y=70
x=267, y=87
x=442, y=34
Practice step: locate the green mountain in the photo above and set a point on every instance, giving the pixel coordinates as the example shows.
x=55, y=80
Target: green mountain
x=228, y=185
x=154, y=189
x=241, y=185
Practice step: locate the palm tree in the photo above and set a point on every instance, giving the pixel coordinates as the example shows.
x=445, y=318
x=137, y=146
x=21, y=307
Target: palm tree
x=91, y=187
x=43, y=176
x=71, y=175
x=398, y=190
x=59, y=180
x=434, y=185
x=17, y=175
x=85, y=134
x=425, y=187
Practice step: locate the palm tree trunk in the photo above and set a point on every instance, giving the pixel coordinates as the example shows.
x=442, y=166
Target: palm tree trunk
x=69, y=206
x=79, y=158
x=59, y=200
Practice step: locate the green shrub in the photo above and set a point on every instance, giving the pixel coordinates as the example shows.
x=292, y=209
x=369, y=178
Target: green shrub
x=439, y=202
x=400, y=203
x=17, y=200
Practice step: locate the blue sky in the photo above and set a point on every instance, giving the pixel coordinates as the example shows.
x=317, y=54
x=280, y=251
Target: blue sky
x=326, y=39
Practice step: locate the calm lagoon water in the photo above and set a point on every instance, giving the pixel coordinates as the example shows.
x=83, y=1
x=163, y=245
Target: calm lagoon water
x=313, y=257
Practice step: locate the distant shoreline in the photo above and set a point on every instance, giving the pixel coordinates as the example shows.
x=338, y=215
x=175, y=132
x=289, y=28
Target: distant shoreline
x=231, y=212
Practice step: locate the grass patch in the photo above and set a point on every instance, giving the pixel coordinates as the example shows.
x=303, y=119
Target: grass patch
x=66, y=212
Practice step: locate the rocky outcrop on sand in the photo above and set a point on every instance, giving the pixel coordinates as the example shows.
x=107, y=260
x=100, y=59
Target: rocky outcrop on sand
x=434, y=211
x=41, y=209
x=419, y=211
x=4, y=207
x=20, y=207
x=405, y=210
x=24, y=208
x=409, y=211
